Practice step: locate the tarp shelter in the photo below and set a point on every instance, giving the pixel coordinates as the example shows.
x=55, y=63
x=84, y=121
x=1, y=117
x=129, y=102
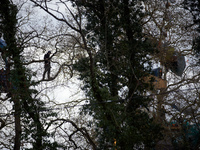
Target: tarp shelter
x=157, y=72
x=191, y=134
x=172, y=59
x=157, y=83
x=177, y=65
x=2, y=43
x=156, y=80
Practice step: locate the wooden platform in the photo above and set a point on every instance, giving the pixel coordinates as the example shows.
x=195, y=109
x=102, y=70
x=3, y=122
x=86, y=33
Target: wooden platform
x=158, y=83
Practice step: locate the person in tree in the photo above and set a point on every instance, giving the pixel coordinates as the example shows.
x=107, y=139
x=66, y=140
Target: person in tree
x=47, y=66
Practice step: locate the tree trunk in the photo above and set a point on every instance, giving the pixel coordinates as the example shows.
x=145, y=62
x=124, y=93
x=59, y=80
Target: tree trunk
x=17, y=113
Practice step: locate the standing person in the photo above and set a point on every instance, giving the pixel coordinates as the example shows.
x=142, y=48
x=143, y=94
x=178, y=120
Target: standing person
x=47, y=66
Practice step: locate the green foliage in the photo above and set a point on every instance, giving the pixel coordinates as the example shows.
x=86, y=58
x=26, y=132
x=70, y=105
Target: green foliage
x=30, y=112
x=113, y=84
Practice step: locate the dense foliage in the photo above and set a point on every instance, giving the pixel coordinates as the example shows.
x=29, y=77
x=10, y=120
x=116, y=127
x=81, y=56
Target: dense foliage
x=27, y=110
x=112, y=75
x=136, y=66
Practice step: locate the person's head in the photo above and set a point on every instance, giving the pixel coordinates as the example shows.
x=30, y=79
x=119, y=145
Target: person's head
x=49, y=52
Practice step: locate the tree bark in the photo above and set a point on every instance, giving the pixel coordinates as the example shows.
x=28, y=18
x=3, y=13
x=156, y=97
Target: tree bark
x=18, y=130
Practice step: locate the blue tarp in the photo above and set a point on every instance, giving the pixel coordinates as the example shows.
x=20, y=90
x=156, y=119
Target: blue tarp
x=2, y=43
x=157, y=72
x=191, y=132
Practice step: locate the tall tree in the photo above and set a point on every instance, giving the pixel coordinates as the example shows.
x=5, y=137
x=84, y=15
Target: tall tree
x=8, y=28
x=112, y=74
x=27, y=110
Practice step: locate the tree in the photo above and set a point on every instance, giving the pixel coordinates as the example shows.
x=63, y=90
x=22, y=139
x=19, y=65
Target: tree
x=163, y=25
x=112, y=46
x=108, y=70
x=173, y=26
x=112, y=73
x=18, y=87
x=40, y=128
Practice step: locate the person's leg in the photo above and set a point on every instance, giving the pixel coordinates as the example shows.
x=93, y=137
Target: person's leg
x=45, y=71
x=49, y=70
